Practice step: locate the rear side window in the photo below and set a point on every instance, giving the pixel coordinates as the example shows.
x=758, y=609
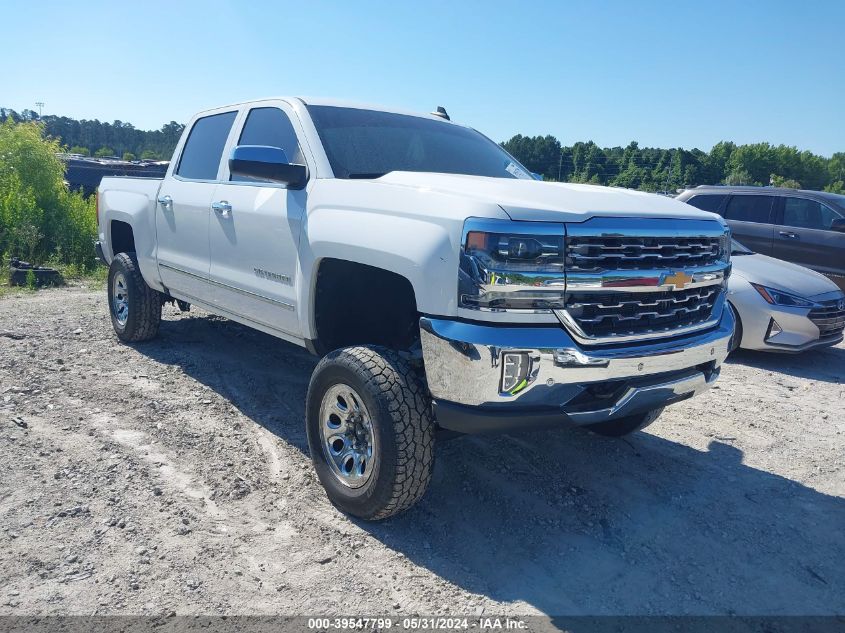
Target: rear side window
x=749, y=209
x=270, y=126
x=707, y=202
x=204, y=147
x=807, y=214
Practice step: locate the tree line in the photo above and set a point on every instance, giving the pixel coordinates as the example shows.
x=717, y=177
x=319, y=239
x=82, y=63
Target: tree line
x=655, y=169
x=100, y=138
x=635, y=167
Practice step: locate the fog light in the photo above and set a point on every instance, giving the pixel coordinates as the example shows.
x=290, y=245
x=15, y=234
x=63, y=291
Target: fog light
x=774, y=330
x=516, y=367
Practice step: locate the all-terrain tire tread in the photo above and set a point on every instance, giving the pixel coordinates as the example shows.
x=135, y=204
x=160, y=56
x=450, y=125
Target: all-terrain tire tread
x=409, y=406
x=148, y=305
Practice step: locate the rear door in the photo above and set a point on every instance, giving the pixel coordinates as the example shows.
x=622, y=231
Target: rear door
x=254, y=239
x=184, y=206
x=803, y=235
x=750, y=217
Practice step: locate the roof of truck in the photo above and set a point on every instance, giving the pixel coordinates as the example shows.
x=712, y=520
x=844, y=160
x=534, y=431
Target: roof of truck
x=337, y=103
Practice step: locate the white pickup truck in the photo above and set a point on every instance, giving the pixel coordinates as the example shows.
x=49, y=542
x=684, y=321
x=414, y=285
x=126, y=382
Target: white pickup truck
x=447, y=289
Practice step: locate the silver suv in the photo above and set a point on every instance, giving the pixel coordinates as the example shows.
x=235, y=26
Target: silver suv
x=802, y=227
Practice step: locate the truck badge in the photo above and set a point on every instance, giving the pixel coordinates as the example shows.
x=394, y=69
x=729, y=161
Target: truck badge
x=679, y=280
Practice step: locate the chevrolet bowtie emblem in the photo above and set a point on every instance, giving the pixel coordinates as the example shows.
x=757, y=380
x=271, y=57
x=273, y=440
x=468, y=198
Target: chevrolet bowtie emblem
x=679, y=280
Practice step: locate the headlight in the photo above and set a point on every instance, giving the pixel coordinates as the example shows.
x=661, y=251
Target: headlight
x=511, y=266
x=781, y=298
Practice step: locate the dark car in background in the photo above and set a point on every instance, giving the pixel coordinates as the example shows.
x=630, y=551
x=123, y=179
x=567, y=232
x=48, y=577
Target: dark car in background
x=802, y=227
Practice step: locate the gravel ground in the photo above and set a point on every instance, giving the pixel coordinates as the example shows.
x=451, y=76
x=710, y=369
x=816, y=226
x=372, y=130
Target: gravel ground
x=173, y=476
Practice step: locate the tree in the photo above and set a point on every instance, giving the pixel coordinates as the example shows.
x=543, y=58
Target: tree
x=83, y=151
x=39, y=217
x=540, y=154
x=780, y=181
x=128, y=156
x=104, y=152
x=739, y=177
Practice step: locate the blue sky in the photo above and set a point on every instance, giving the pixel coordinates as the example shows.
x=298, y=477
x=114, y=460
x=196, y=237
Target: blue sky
x=666, y=74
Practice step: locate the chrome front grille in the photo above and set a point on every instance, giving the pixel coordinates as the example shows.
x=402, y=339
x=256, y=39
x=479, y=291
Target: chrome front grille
x=830, y=319
x=602, y=315
x=612, y=252
x=631, y=279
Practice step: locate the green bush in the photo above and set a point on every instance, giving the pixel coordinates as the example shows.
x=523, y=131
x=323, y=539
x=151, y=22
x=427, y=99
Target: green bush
x=40, y=218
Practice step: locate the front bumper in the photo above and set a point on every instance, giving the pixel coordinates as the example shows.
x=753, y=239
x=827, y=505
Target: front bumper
x=566, y=382
x=798, y=331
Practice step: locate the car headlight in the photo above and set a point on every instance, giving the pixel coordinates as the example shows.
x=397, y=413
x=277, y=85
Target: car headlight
x=781, y=298
x=509, y=265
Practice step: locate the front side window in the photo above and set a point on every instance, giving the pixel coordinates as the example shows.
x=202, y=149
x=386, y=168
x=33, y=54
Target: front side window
x=807, y=214
x=707, y=202
x=203, y=150
x=749, y=208
x=270, y=126
x=370, y=143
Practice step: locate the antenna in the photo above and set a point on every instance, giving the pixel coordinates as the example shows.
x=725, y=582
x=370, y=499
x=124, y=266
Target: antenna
x=441, y=112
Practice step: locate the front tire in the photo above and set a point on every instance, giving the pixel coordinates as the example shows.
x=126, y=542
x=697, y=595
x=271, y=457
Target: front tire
x=370, y=431
x=135, y=308
x=625, y=426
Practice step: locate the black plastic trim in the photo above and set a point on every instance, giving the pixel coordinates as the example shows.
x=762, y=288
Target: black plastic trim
x=98, y=247
x=473, y=420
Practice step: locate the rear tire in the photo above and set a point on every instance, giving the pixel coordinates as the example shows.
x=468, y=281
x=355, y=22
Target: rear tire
x=135, y=308
x=370, y=431
x=625, y=426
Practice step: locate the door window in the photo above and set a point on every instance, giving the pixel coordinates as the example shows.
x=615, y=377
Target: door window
x=270, y=126
x=749, y=209
x=203, y=150
x=807, y=214
x=707, y=202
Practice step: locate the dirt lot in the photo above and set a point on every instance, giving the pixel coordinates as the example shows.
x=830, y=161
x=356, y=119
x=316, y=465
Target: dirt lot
x=174, y=476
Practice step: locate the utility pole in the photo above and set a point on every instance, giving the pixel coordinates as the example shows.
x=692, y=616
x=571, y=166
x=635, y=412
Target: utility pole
x=559, y=165
x=40, y=105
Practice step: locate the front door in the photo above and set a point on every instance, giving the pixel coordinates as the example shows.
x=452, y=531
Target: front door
x=184, y=206
x=254, y=232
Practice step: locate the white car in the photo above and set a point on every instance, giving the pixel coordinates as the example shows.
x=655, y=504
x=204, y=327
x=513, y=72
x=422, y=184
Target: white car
x=782, y=307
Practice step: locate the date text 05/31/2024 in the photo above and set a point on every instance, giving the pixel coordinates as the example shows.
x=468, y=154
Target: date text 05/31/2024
x=418, y=623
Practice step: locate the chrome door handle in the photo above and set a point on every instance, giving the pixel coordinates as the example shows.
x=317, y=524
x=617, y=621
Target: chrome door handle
x=222, y=208
x=166, y=202
x=788, y=234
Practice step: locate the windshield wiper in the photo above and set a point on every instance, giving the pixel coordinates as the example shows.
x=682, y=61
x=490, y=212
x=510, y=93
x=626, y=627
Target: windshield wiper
x=366, y=176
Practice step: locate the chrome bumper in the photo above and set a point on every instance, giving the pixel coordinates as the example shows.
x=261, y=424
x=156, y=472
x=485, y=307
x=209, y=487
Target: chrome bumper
x=464, y=366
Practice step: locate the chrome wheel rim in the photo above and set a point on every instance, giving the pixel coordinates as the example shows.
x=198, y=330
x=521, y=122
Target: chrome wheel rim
x=348, y=440
x=120, y=299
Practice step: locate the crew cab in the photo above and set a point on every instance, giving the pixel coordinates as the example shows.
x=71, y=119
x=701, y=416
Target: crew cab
x=446, y=288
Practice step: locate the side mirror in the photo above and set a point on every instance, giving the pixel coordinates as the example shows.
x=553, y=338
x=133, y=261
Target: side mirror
x=838, y=225
x=267, y=163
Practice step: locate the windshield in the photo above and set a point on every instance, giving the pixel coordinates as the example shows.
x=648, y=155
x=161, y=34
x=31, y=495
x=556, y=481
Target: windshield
x=369, y=144
x=739, y=249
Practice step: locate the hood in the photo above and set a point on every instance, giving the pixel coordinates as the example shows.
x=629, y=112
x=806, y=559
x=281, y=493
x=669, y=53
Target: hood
x=533, y=200
x=781, y=275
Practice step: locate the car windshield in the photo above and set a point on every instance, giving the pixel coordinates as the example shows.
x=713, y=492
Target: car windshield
x=739, y=249
x=368, y=144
